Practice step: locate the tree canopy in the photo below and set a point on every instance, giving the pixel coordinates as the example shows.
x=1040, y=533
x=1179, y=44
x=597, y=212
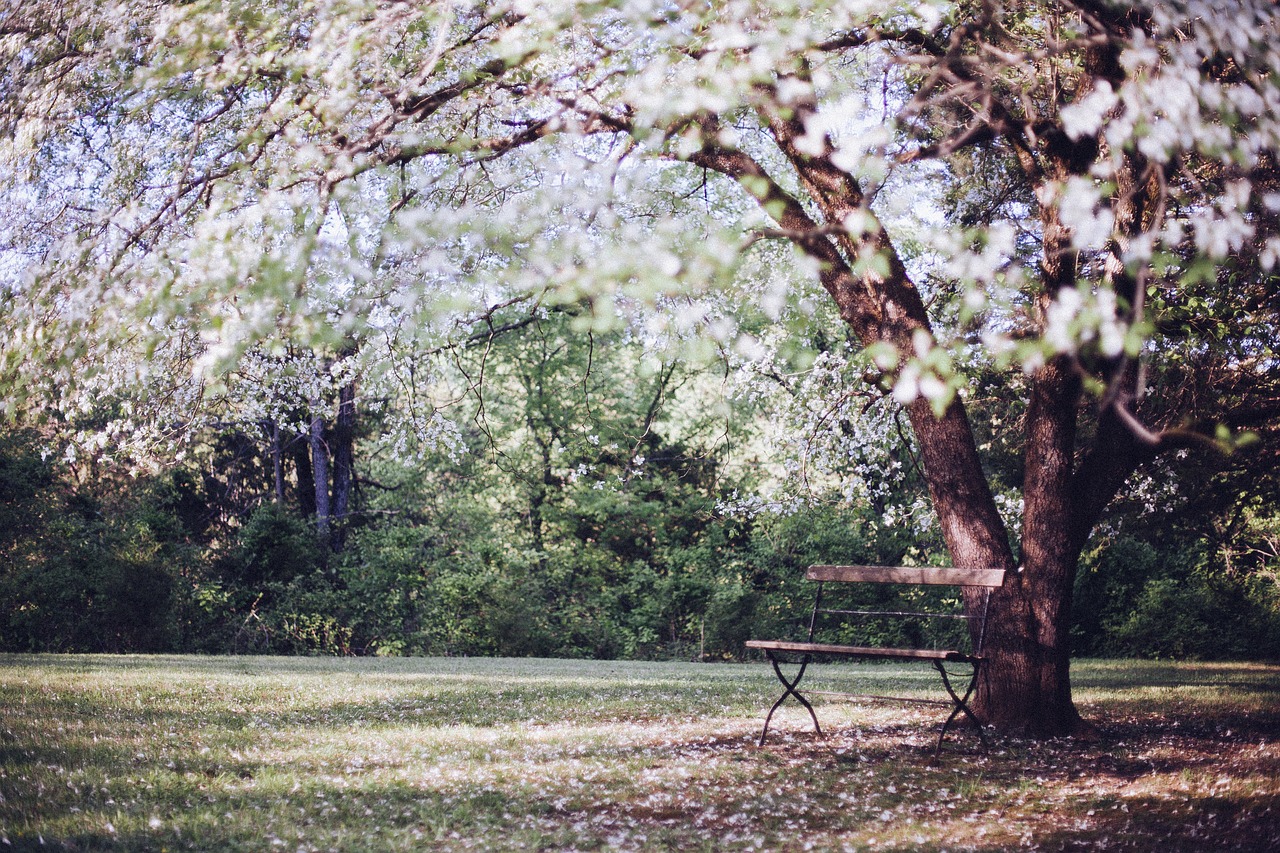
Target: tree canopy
x=1072, y=206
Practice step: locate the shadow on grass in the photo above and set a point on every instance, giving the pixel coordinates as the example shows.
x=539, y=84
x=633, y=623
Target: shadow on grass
x=502, y=754
x=375, y=818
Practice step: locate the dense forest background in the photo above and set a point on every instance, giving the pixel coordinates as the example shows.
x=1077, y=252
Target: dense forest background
x=586, y=499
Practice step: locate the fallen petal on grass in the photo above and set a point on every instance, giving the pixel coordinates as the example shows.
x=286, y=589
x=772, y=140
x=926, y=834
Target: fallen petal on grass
x=151, y=753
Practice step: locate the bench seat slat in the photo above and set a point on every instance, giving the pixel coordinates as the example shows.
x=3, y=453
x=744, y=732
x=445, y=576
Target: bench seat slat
x=860, y=651
x=908, y=575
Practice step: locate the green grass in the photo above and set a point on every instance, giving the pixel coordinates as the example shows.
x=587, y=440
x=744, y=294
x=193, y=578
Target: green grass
x=263, y=754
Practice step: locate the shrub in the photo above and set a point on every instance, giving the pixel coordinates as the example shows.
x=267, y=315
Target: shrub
x=275, y=546
x=1196, y=618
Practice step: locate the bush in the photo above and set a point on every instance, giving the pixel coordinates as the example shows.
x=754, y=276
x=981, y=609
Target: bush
x=1196, y=618
x=1172, y=599
x=1108, y=585
x=274, y=547
x=307, y=616
x=88, y=585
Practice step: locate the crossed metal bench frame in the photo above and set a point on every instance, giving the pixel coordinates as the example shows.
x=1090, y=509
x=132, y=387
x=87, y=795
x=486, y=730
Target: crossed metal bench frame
x=780, y=652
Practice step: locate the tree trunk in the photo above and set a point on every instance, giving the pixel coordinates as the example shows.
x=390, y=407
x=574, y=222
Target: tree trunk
x=300, y=450
x=320, y=471
x=539, y=490
x=343, y=448
x=277, y=463
x=1027, y=683
x=1026, y=687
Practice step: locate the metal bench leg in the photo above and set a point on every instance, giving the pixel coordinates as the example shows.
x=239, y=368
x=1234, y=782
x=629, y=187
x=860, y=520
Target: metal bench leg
x=789, y=690
x=961, y=704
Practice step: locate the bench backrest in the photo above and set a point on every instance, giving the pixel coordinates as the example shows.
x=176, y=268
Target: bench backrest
x=908, y=575
x=984, y=580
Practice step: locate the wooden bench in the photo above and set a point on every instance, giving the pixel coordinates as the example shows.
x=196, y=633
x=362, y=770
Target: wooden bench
x=852, y=623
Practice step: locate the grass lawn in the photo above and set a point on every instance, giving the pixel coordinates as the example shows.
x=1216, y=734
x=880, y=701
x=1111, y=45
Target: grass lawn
x=302, y=754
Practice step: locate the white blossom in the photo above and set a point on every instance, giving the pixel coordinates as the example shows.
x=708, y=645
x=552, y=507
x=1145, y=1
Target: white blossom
x=1085, y=117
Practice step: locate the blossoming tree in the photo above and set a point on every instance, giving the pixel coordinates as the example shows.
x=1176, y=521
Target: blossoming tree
x=1079, y=195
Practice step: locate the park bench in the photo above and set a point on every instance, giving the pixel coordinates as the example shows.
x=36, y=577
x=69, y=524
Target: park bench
x=848, y=629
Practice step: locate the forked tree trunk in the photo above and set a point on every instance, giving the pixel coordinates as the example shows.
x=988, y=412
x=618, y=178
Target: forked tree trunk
x=1027, y=683
x=1026, y=686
